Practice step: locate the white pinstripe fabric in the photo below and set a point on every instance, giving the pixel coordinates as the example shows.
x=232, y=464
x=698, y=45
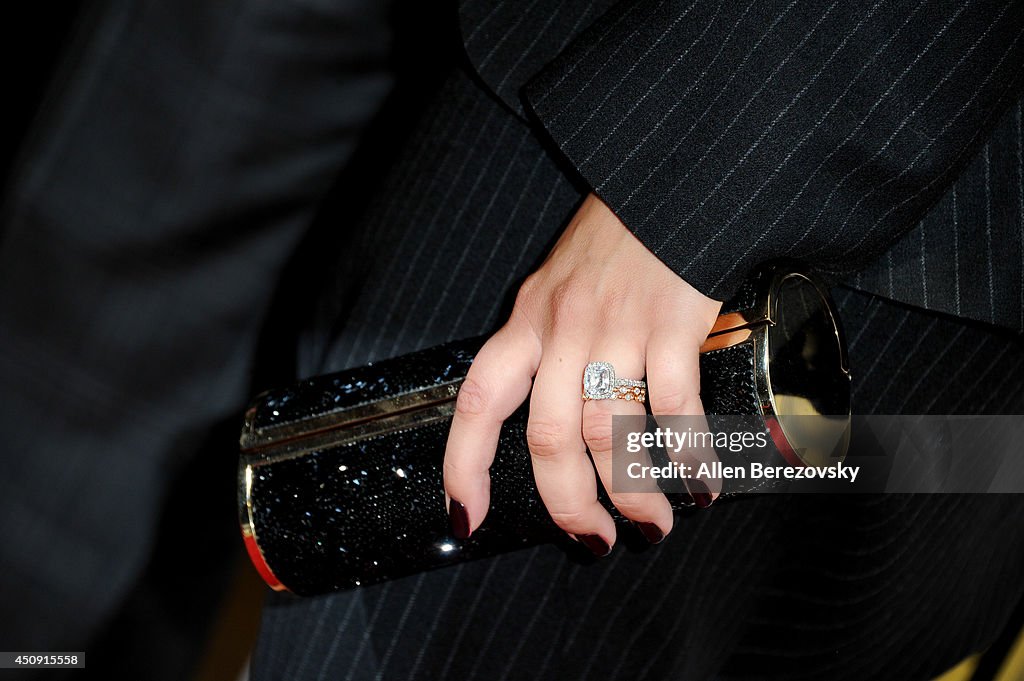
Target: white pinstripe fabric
x=536, y=39
x=920, y=154
x=666, y=191
x=888, y=261
x=636, y=104
x=538, y=611
x=897, y=373
x=365, y=640
x=924, y=264
x=669, y=156
x=567, y=617
x=499, y=620
x=699, y=597
x=1020, y=205
x=612, y=617
x=723, y=43
x=452, y=584
x=991, y=364
x=611, y=58
x=764, y=134
x=439, y=304
x=988, y=236
x=1011, y=375
x=956, y=252
x=585, y=613
x=340, y=628
x=399, y=631
x=303, y=661
x=498, y=43
x=608, y=31
x=939, y=357
x=393, y=208
x=498, y=244
x=521, y=35
x=790, y=248
x=418, y=247
x=456, y=643
x=1008, y=284
x=807, y=135
x=903, y=123
x=633, y=65
x=495, y=8
x=878, y=358
x=435, y=261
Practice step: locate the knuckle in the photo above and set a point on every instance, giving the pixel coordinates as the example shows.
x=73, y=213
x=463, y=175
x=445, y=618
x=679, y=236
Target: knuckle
x=566, y=301
x=453, y=471
x=674, y=401
x=527, y=292
x=597, y=431
x=569, y=519
x=634, y=506
x=463, y=480
x=473, y=398
x=545, y=438
x=671, y=300
x=566, y=291
x=618, y=301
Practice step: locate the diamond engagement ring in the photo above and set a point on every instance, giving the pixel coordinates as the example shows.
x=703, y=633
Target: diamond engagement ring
x=599, y=383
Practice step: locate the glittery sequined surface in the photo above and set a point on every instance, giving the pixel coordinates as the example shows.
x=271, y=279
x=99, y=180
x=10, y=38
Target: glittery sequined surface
x=373, y=510
x=341, y=516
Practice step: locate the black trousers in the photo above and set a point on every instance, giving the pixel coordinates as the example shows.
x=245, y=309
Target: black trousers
x=181, y=153
x=882, y=587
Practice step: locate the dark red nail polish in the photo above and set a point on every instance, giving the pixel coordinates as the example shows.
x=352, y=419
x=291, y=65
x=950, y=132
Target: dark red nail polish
x=459, y=519
x=651, y=532
x=598, y=546
x=700, y=493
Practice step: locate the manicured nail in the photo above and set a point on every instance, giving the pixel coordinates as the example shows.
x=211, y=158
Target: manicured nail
x=700, y=493
x=650, y=531
x=598, y=546
x=459, y=519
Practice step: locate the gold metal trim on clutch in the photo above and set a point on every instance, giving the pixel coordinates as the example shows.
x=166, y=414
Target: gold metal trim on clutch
x=346, y=433
x=770, y=411
x=346, y=426
x=252, y=545
x=255, y=439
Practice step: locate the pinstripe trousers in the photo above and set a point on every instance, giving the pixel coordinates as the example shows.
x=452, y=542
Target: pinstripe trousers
x=882, y=587
x=179, y=156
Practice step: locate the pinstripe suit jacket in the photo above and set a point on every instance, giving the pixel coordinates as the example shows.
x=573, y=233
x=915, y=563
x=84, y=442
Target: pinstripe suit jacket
x=878, y=141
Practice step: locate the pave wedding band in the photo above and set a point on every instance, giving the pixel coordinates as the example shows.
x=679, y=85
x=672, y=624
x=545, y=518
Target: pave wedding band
x=599, y=383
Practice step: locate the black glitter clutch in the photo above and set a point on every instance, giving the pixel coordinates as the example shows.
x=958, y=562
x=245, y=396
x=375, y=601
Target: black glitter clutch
x=340, y=481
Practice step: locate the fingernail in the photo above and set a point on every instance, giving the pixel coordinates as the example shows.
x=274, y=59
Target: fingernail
x=700, y=493
x=459, y=519
x=598, y=546
x=650, y=531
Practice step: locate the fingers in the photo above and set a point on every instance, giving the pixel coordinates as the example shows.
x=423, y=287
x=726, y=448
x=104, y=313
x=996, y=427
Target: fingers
x=643, y=504
x=497, y=383
x=565, y=477
x=562, y=428
x=673, y=384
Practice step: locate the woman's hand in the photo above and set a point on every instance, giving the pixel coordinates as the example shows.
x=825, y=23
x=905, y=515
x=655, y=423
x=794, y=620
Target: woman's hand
x=599, y=296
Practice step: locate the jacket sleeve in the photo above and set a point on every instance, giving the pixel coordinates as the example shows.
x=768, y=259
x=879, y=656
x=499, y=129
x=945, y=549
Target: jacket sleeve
x=724, y=134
